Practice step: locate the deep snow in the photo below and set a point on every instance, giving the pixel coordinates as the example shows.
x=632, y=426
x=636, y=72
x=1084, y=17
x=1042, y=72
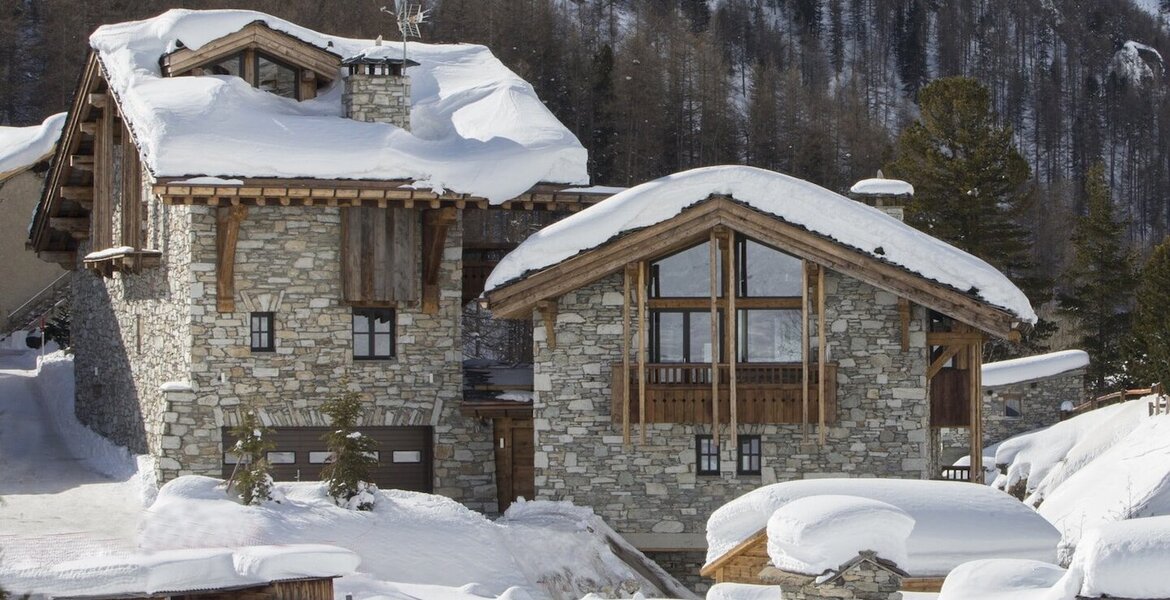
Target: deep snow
x=22, y=147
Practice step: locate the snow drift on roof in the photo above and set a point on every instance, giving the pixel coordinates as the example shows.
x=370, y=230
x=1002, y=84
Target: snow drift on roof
x=477, y=128
x=882, y=187
x=954, y=521
x=1016, y=370
x=796, y=201
x=23, y=147
x=815, y=534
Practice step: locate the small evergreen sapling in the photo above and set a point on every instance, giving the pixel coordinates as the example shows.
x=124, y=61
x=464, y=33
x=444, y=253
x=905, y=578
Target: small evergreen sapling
x=253, y=479
x=347, y=476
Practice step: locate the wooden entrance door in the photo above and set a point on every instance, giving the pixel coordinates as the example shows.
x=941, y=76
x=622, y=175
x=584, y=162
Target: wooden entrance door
x=514, y=449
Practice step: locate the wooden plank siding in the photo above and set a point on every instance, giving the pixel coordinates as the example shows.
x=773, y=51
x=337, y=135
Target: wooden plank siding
x=950, y=401
x=681, y=393
x=378, y=260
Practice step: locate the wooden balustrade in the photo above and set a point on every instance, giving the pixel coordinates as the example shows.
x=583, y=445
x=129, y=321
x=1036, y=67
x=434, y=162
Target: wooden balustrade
x=765, y=393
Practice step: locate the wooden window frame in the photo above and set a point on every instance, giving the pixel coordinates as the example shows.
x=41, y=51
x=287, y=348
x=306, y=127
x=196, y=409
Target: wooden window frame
x=700, y=455
x=1016, y=398
x=369, y=352
x=265, y=333
x=758, y=455
x=655, y=340
x=257, y=55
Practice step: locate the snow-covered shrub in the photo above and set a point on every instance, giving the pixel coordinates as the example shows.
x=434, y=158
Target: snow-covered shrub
x=348, y=473
x=252, y=477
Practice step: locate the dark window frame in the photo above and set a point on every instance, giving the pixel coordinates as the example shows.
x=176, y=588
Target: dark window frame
x=1012, y=398
x=262, y=338
x=712, y=451
x=369, y=351
x=756, y=456
x=257, y=55
x=655, y=339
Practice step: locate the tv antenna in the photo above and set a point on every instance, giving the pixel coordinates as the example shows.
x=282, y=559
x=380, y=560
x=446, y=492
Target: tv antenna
x=409, y=17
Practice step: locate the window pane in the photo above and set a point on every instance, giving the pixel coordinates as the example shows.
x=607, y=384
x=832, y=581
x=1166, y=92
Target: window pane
x=684, y=275
x=700, y=346
x=769, y=335
x=669, y=337
x=383, y=321
x=282, y=458
x=770, y=272
x=381, y=345
x=275, y=78
x=228, y=66
x=361, y=345
x=361, y=323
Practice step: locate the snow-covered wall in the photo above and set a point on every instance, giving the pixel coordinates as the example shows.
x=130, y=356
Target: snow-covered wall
x=652, y=490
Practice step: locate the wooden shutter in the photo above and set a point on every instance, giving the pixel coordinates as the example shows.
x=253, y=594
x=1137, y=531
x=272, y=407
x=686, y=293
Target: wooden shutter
x=378, y=264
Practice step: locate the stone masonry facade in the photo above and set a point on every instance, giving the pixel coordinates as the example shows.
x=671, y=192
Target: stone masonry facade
x=1039, y=401
x=881, y=430
x=377, y=99
x=287, y=261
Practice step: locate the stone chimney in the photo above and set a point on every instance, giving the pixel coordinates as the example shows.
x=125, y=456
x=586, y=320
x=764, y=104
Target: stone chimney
x=377, y=89
x=887, y=195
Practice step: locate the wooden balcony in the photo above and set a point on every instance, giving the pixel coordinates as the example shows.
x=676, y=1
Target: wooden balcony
x=765, y=393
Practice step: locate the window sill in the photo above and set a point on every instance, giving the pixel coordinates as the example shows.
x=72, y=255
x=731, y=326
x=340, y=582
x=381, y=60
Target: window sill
x=124, y=260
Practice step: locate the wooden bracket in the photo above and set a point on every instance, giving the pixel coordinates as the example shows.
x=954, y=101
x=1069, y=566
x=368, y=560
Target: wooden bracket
x=548, y=312
x=904, y=312
x=435, y=224
x=938, y=363
x=227, y=233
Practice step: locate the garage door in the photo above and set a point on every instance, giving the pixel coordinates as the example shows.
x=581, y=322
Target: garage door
x=403, y=454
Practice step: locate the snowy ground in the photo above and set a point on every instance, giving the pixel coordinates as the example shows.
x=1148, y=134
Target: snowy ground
x=73, y=504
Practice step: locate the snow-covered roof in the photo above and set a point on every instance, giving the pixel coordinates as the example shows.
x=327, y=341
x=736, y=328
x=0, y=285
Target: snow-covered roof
x=198, y=569
x=1126, y=559
x=815, y=534
x=799, y=202
x=1017, y=370
x=477, y=128
x=953, y=521
x=882, y=187
x=23, y=147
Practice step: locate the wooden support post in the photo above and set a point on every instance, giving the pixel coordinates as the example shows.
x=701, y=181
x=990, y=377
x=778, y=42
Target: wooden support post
x=713, y=269
x=627, y=274
x=904, y=312
x=975, y=363
x=435, y=224
x=131, y=202
x=822, y=353
x=227, y=233
x=731, y=289
x=804, y=349
x=642, y=351
x=548, y=313
x=102, y=214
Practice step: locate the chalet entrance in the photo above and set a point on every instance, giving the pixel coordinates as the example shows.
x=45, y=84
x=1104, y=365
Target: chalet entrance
x=403, y=455
x=514, y=445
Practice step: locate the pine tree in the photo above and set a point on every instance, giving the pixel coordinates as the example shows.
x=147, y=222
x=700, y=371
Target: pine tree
x=971, y=185
x=1147, y=349
x=1100, y=282
x=253, y=479
x=348, y=475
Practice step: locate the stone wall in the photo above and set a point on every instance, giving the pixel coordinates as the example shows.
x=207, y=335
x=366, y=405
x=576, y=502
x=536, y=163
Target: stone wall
x=1039, y=401
x=131, y=333
x=287, y=262
x=377, y=99
x=653, y=488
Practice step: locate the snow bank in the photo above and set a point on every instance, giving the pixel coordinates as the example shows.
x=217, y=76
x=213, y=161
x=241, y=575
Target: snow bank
x=1126, y=559
x=1018, y=370
x=1000, y=579
x=882, y=187
x=197, y=569
x=22, y=147
x=954, y=521
x=742, y=591
x=544, y=548
x=477, y=128
x=798, y=202
x=816, y=534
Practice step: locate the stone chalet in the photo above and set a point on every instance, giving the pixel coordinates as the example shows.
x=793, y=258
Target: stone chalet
x=250, y=220
x=711, y=296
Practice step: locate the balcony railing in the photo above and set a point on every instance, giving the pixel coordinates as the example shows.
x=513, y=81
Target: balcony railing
x=765, y=393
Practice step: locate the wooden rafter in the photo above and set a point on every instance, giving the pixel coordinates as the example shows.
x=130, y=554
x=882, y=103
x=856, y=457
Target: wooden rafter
x=548, y=314
x=515, y=299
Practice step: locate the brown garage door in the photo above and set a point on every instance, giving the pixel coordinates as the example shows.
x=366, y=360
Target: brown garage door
x=403, y=453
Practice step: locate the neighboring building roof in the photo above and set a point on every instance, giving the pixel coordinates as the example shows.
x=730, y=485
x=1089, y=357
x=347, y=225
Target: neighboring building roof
x=954, y=521
x=882, y=187
x=849, y=224
x=199, y=569
x=1017, y=370
x=477, y=128
x=23, y=147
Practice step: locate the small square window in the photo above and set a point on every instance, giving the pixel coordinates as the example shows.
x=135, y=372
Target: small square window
x=748, y=459
x=1013, y=406
x=706, y=455
x=373, y=333
x=263, y=331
